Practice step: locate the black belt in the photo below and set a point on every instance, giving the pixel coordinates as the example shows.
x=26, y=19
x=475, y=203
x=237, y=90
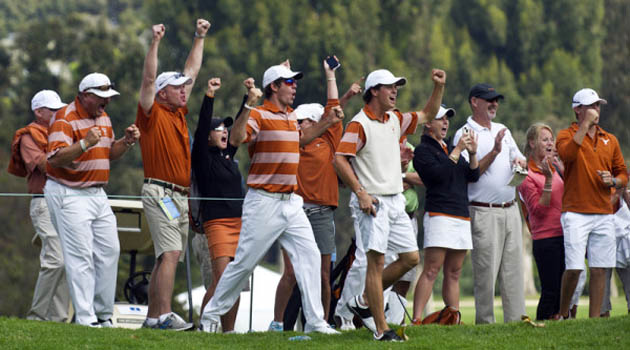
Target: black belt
x=492, y=205
x=181, y=189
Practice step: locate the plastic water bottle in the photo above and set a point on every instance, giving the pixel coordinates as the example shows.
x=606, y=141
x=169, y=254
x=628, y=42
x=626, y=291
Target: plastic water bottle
x=300, y=338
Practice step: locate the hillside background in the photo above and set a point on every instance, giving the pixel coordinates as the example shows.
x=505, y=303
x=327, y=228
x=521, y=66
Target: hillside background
x=537, y=53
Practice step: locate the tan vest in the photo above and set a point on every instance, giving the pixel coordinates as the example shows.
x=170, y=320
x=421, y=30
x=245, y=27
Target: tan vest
x=377, y=164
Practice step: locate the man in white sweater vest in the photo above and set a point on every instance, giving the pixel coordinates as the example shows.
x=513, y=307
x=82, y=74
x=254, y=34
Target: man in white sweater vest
x=368, y=161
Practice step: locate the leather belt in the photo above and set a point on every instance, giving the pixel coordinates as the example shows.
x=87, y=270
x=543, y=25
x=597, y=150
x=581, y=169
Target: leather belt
x=177, y=188
x=492, y=205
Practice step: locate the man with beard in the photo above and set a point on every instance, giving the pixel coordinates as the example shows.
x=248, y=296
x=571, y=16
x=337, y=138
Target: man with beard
x=495, y=217
x=165, y=148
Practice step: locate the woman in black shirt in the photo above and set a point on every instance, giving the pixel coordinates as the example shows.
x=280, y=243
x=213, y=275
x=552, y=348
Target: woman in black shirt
x=216, y=175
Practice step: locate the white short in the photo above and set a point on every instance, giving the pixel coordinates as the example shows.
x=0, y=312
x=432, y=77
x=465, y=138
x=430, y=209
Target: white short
x=591, y=234
x=447, y=232
x=390, y=230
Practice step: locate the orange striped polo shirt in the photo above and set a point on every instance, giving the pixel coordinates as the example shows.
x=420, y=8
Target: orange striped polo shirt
x=354, y=137
x=274, y=148
x=69, y=125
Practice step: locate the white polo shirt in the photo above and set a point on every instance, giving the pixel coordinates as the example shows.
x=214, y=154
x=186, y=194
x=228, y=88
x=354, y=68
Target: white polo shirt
x=492, y=186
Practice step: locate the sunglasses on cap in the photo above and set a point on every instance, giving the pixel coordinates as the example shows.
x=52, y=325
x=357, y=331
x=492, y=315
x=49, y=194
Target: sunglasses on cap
x=102, y=87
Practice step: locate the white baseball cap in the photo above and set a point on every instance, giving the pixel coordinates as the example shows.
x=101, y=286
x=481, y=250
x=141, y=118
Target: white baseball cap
x=586, y=97
x=274, y=73
x=171, y=78
x=445, y=111
x=312, y=111
x=98, y=84
x=382, y=77
x=48, y=99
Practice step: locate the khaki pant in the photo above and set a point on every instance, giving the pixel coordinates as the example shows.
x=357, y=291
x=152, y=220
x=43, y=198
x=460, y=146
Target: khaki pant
x=51, y=297
x=497, y=254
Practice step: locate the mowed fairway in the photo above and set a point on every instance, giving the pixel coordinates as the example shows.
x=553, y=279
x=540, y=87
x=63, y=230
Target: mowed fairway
x=611, y=333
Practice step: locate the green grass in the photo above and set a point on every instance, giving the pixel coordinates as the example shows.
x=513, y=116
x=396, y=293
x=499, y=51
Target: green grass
x=609, y=333
x=583, y=333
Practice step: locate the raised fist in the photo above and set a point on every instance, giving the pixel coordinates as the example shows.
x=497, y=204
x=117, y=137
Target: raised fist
x=438, y=76
x=214, y=84
x=158, y=31
x=202, y=27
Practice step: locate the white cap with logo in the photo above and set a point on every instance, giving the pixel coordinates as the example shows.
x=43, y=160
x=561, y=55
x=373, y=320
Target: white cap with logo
x=274, y=73
x=48, y=99
x=586, y=97
x=382, y=77
x=98, y=84
x=171, y=78
x=312, y=111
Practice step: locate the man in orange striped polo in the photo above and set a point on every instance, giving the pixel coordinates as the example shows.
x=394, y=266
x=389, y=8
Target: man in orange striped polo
x=81, y=144
x=271, y=210
x=594, y=166
x=165, y=147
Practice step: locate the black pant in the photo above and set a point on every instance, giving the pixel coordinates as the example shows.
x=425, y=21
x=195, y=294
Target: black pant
x=549, y=256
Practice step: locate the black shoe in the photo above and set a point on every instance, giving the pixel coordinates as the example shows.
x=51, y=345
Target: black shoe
x=388, y=335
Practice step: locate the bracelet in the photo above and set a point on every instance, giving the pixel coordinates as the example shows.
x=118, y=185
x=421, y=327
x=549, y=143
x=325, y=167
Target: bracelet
x=472, y=154
x=248, y=106
x=331, y=79
x=83, y=145
x=361, y=189
x=614, y=181
x=199, y=36
x=546, y=189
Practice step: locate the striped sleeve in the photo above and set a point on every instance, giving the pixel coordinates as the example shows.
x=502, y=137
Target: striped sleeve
x=253, y=126
x=408, y=122
x=352, y=141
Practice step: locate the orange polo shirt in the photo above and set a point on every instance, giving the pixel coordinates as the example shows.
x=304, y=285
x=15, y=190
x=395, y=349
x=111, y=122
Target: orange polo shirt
x=317, y=179
x=164, y=144
x=584, y=191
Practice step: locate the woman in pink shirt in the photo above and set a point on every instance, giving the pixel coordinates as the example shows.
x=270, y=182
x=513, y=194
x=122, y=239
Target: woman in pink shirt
x=541, y=193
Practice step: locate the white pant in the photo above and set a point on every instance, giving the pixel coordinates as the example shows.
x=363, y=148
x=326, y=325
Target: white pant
x=51, y=298
x=265, y=220
x=89, y=239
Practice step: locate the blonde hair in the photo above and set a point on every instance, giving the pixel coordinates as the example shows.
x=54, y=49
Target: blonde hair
x=532, y=135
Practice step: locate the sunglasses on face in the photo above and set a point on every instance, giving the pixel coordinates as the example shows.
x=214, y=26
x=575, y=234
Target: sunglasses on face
x=496, y=99
x=220, y=128
x=289, y=82
x=102, y=87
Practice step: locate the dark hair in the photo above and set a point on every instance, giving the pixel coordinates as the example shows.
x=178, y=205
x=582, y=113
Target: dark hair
x=268, y=91
x=367, y=96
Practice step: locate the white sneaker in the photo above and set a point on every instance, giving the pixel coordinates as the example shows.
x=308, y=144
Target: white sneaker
x=106, y=324
x=175, y=323
x=323, y=329
x=363, y=312
x=346, y=324
x=275, y=326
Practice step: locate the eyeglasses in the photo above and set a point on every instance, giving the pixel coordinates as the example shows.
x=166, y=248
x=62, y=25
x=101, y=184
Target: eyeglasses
x=220, y=128
x=289, y=82
x=102, y=87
